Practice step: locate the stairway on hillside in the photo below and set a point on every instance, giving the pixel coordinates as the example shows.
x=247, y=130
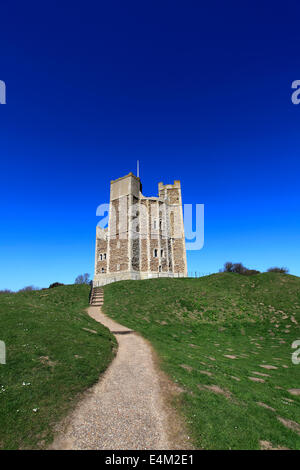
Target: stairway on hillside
x=97, y=297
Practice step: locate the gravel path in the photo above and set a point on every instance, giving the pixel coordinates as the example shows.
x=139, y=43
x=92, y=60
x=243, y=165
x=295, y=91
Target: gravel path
x=124, y=410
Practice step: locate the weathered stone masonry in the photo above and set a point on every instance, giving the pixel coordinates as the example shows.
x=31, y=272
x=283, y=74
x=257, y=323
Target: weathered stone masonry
x=145, y=235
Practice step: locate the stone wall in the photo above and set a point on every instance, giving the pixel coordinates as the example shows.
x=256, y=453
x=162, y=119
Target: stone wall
x=144, y=232
x=101, y=249
x=118, y=236
x=135, y=234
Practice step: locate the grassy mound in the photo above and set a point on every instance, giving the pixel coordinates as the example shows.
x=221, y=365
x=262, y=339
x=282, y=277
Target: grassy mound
x=54, y=352
x=217, y=337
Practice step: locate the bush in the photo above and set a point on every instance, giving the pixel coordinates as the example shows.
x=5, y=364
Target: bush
x=278, y=270
x=238, y=268
x=82, y=279
x=28, y=289
x=55, y=284
x=234, y=268
x=6, y=291
x=250, y=272
x=228, y=267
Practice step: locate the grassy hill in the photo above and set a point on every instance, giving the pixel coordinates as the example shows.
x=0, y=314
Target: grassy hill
x=217, y=337
x=54, y=352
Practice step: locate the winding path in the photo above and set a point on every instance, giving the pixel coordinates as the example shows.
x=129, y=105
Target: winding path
x=125, y=409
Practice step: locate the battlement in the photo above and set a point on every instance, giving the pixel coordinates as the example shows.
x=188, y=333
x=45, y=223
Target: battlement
x=176, y=184
x=124, y=186
x=123, y=177
x=170, y=192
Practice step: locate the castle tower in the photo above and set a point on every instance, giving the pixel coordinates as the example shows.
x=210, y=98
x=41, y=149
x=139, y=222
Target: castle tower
x=145, y=235
x=172, y=194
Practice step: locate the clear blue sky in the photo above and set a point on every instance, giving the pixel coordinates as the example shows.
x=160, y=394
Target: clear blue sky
x=198, y=91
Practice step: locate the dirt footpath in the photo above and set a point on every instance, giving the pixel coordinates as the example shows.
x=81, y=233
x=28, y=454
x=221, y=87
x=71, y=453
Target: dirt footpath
x=125, y=409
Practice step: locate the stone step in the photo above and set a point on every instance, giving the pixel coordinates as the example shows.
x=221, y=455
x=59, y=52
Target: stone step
x=97, y=297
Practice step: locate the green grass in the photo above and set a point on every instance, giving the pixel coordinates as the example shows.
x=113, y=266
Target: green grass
x=193, y=323
x=48, y=349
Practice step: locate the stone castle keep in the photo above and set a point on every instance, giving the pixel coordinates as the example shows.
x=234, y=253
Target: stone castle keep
x=145, y=235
